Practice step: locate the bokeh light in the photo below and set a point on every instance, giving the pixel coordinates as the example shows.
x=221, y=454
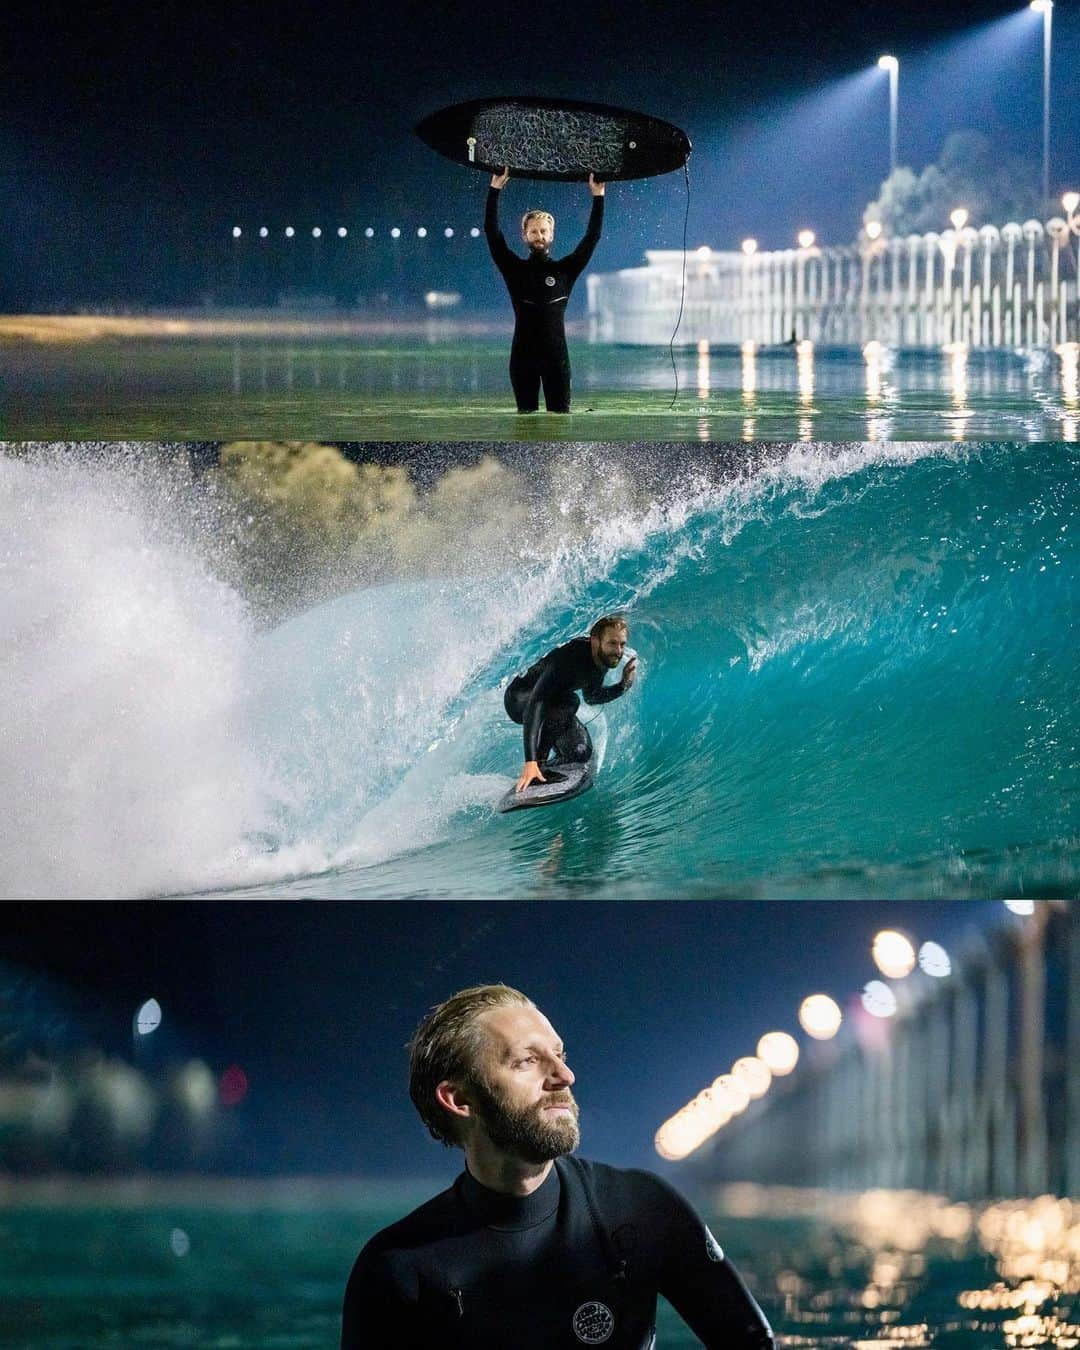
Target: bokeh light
x=820, y=1017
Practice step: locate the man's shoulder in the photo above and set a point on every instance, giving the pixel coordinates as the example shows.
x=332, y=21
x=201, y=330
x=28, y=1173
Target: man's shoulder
x=427, y=1223
x=626, y=1184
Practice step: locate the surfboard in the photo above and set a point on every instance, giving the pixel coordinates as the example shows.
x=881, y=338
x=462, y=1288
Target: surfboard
x=551, y=139
x=565, y=779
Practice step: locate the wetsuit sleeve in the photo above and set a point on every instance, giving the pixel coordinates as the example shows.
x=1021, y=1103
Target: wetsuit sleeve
x=597, y=694
x=577, y=261
x=704, y=1287
x=376, y=1315
x=495, y=240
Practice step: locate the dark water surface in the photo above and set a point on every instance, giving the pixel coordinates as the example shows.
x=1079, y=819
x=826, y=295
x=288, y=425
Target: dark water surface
x=442, y=385
x=240, y=1267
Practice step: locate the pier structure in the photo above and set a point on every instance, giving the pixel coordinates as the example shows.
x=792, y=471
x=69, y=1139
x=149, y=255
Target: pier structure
x=1013, y=286
x=972, y=1090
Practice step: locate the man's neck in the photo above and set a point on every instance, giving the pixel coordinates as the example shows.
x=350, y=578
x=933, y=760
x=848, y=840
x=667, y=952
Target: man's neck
x=504, y=1173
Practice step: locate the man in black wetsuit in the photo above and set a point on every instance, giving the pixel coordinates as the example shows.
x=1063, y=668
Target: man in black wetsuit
x=532, y=1249
x=544, y=700
x=539, y=287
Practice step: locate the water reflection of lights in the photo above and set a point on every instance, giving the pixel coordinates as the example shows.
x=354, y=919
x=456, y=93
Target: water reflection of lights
x=749, y=371
x=872, y=353
x=885, y=1252
x=804, y=359
x=1069, y=354
x=703, y=369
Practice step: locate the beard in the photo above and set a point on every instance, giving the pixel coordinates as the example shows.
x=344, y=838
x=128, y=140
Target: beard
x=524, y=1131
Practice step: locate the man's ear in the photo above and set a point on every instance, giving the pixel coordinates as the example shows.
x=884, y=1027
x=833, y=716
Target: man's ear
x=454, y=1098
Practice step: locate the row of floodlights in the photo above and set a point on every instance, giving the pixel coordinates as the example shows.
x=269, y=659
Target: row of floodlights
x=343, y=232
x=777, y=1054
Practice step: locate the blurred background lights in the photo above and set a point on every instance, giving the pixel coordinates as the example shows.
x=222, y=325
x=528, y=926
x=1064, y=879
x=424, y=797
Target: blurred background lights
x=263, y=231
x=289, y=231
x=316, y=233
x=148, y=1018
x=395, y=233
x=232, y=1086
x=806, y=238
x=474, y=233
x=878, y=999
x=196, y=1088
x=236, y=231
x=934, y=960
x=421, y=233
x=779, y=1052
x=448, y=232
x=753, y=1074
x=369, y=233
x=820, y=1017
x=179, y=1242
x=733, y=1094
x=342, y=232
x=1020, y=906
x=893, y=954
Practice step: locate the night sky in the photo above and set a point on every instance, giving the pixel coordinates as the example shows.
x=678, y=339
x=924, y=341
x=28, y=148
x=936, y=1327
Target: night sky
x=133, y=138
x=316, y=1001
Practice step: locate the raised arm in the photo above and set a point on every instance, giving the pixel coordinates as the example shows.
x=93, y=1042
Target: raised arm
x=578, y=260
x=497, y=244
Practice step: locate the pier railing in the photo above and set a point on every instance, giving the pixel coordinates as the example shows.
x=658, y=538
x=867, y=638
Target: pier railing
x=1010, y=287
x=972, y=1090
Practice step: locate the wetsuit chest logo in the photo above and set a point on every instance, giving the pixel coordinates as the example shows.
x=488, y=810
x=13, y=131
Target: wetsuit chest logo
x=593, y=1323
x=549, y=281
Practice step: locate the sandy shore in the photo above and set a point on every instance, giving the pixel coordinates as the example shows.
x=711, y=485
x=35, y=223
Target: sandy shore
x=69, y=328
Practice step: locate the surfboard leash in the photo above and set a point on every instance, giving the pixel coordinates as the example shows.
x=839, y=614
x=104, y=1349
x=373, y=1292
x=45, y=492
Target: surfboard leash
x=682, y=296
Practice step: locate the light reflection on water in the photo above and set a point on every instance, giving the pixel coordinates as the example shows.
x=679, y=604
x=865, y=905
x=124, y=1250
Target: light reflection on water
x=255, y=1267
x=436, y=386
x=916, y=1253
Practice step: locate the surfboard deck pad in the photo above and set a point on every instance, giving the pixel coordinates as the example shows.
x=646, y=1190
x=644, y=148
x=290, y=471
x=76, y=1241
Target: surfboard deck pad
x=565, y=779
x=555, y=140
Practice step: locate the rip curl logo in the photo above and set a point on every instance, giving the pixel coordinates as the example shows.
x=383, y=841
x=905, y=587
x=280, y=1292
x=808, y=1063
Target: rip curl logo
x=712, y=1248
x=593, y=1323
x=549, y=281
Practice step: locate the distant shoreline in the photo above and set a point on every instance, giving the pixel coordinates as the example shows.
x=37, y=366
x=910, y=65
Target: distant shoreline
x=217, y=324
x=189, y=1190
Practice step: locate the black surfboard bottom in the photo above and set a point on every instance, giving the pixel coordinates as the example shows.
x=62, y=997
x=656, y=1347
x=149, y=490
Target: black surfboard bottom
x=556, y=141
x=565, y=779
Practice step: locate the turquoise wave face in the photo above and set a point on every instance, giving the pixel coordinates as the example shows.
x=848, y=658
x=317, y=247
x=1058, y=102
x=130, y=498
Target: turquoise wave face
x=858, y=674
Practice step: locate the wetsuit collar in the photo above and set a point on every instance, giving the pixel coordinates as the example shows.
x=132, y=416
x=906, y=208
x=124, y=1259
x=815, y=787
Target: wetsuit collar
x=509, y=1212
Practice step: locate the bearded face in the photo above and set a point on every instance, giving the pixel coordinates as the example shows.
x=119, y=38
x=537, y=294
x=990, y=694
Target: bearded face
x=536, y=1132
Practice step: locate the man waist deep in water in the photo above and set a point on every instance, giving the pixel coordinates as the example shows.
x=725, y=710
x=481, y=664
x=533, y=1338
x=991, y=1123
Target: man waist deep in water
x=531, y=1248
x=539, y=287
x=545, y=702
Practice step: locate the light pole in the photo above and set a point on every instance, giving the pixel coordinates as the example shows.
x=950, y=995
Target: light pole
x=892, y=65
x=1046, y=9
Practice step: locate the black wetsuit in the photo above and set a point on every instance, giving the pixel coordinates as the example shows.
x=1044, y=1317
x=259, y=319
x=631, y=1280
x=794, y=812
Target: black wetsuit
x=544, y=701
x=578, y=1262
x=539, y=287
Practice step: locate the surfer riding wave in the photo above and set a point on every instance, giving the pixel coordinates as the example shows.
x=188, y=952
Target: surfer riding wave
x=544, y=699
x=540, y=287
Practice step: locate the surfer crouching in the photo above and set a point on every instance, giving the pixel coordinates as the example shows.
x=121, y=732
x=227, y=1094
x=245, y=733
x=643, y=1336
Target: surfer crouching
x=539, y=287
x=545, y=702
